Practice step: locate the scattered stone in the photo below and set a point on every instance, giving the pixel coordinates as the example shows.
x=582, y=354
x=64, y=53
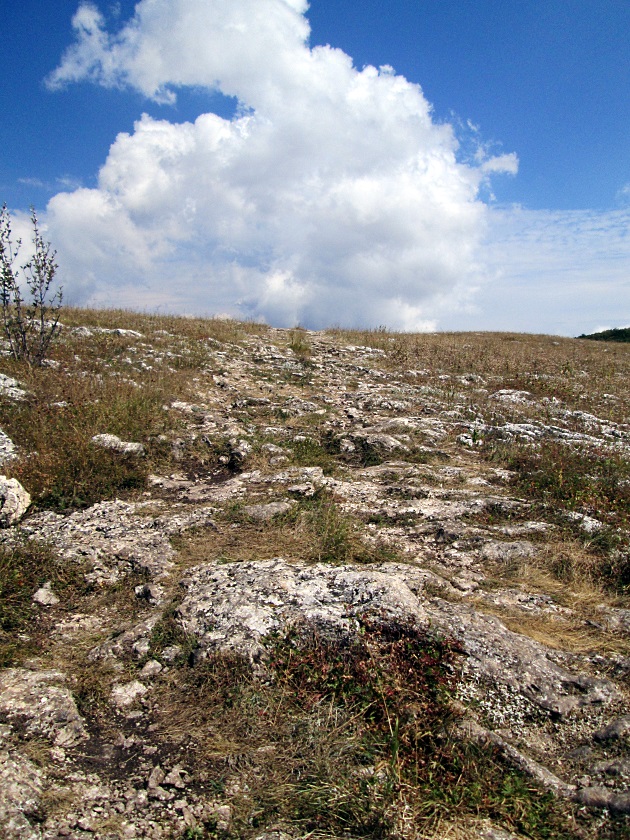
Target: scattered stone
x=508, y=552
x=239, y=452
x=11, y=388
x=619, y=728
x=7, y=448
x=175, y=778
x=594, y=797
x=45, y=597
x=151, y=592
x=114, y=443
x=14, y=501
x=222, y=815
x=171, y=653
x=275, y=835
x=116, y=537
x=156, y=777
x=511, y=396
x=21, y=790
x=127, y=694
x=154, y=786
x=588, y=524
x=263, y=513
x=495, y=834
x=306, y=490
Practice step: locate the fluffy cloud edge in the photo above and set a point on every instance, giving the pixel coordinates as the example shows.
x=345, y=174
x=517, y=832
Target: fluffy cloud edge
x=331, y=196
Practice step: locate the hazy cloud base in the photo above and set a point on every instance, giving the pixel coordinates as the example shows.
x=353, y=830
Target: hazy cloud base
x=332, y=196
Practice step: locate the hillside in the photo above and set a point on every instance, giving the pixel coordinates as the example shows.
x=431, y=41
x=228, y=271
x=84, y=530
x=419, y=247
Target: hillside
x=278, y=584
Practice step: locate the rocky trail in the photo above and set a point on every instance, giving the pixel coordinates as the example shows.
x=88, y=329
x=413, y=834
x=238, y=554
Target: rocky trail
x=309, y=483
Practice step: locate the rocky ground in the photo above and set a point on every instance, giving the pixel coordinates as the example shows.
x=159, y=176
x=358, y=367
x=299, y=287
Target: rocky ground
x=307, y=482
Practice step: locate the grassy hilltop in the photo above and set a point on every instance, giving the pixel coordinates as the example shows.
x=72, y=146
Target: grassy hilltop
x=487, y=473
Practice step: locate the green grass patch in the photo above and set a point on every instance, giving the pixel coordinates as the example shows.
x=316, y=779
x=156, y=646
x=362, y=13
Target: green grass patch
x=60, y=466
x=312, y=452
x=24, y=568
x=584, y=481
x=334, y=536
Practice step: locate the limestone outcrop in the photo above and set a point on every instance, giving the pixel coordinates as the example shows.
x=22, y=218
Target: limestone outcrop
x=319, y=493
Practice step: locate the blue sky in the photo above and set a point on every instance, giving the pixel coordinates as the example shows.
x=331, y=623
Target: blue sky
x=520, y=112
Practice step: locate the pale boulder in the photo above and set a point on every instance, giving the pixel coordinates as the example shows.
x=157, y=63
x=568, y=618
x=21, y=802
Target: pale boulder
x=14, y=501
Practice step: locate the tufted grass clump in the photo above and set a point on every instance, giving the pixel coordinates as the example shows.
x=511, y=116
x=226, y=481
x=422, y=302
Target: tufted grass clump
x=337, y=537
x=299, y=343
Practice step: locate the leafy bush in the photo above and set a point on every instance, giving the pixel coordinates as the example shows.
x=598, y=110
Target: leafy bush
x=29, y=324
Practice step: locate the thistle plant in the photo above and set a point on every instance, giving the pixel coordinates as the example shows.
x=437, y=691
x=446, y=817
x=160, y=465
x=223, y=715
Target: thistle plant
x=30, y=302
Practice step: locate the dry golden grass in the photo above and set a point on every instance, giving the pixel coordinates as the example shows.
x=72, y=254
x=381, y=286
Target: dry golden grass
x=567, y=571
x=577, y=371
x=224, y=330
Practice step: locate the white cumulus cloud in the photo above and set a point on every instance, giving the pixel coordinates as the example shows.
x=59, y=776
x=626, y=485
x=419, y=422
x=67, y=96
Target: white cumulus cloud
x=331, y=196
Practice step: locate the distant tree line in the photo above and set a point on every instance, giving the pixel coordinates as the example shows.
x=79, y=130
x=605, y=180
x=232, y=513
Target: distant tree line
x=619, y=334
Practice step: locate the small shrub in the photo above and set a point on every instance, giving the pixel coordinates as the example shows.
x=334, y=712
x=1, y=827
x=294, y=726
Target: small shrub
x=29, y=324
